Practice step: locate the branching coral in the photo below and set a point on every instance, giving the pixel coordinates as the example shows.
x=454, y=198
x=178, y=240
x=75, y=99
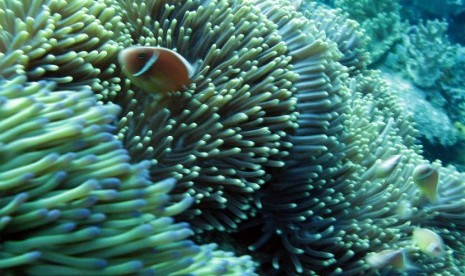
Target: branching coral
x=434, y=64
x=425, y=54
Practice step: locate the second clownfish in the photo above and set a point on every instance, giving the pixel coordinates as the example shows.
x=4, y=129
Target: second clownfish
x=156, y=69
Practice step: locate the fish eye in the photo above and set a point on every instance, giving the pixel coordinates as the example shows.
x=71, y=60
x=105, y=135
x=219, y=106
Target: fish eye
x=142, y=55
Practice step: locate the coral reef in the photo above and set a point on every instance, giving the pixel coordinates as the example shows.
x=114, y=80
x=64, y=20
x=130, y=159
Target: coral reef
x=381, y=21
x=425, y=54
x=435, y=65
x=431, y=121
x=284, y=146
x=346, y=33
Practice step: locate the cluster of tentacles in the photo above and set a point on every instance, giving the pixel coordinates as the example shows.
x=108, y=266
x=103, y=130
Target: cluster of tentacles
x=284, y=146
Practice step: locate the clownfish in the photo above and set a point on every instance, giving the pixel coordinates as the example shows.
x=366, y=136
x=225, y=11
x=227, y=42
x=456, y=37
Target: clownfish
x=426, y=178
x=156, y=69
x=394, y=258
x=428, y=242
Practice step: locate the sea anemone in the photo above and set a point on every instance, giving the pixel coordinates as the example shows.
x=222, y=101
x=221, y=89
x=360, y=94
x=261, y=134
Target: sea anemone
x=68, y=42
x=282, y=144
x=72, y=203
x=347, y=198
x=221, y=135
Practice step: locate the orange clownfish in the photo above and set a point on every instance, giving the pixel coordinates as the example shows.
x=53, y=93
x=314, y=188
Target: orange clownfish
x=156, y=69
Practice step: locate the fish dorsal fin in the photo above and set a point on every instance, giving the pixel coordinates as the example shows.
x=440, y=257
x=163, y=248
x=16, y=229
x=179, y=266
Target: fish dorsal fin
x=148, y=65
